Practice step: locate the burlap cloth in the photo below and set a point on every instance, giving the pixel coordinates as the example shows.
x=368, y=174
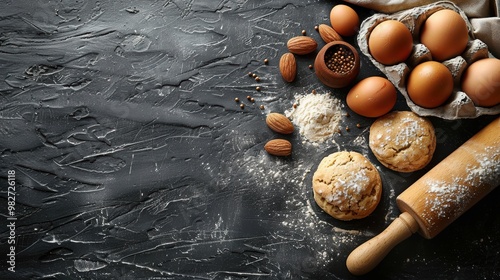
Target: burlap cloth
x=484, y=16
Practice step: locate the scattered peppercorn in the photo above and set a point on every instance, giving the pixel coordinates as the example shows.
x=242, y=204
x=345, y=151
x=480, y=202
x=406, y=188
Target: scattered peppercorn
x=316, y=27
x=254, y=75
x=257, y=88
x=266, y=61
x=358, y=125
x=261, y=107
x=250, y=74
x=304, y=32
x=257, y=79
x=310, y=66
x=347, y=128
x=237, y=99
x=313, y=91
x=347, y=114
x=295, y=105
x=242, y=105
x=252, y=100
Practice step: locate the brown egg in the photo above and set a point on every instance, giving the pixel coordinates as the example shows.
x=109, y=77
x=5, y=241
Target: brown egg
x=344, y=20
x=372, y=97
x=429, y=84
x=390, y=42
x=445, y=34
x=481, y=82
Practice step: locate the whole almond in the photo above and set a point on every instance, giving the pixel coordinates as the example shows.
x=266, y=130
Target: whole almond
x=328, y=34
x=288, y=67
x=302, y=45
x=279, y=123
x=279, y=147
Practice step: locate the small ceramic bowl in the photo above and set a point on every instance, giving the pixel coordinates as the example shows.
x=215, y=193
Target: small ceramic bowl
x=337, y=64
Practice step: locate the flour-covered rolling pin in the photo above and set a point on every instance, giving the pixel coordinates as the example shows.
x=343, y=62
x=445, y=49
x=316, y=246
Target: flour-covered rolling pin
x=439, y=197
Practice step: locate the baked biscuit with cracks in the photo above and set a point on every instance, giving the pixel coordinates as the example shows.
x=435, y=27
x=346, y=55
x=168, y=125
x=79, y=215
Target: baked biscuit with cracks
x=347, y=186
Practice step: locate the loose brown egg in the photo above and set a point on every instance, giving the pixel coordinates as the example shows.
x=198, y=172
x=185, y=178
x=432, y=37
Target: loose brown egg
x=445, y=34
x=481, y=82
x=390, y=42
x=429, y=84
x=344, y=20
x=372, y=97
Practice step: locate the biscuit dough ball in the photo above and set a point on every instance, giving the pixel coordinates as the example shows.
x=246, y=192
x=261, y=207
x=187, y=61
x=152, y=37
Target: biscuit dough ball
x=347, y=186
x=403, y=141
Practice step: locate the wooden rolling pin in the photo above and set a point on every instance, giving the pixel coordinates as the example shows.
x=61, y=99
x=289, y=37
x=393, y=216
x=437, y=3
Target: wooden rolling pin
x=439, y=197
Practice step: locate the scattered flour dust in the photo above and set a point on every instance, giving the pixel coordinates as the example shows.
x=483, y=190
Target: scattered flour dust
x=316, y=115
x=330, y=240
x=447, y=200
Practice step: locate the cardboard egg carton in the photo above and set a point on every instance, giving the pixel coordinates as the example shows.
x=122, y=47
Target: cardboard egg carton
x=459, y=105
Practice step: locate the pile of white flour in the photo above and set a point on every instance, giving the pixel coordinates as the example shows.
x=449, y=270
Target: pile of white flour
x=316, y=115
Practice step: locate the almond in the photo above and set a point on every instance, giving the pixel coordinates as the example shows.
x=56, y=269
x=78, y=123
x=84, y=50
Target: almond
x=328, y=34
x=279, y=123
x=288, y=67
x=279, y=147
x=302, y=45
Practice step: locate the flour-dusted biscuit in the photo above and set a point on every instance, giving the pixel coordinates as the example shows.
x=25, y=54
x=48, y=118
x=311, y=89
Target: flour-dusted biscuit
x=347, y=186
x=403, y=141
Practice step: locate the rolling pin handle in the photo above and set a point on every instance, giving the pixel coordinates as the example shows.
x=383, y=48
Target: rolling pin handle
x=369, y=254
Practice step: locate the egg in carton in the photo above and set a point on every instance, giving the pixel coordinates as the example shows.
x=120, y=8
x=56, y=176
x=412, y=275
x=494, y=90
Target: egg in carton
x=459, y=105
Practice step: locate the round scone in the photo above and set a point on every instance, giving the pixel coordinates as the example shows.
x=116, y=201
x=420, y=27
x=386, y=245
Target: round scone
x=347, y=186
x=403, y=141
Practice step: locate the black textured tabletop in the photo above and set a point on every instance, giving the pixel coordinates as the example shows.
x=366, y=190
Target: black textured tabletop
x=127, y=156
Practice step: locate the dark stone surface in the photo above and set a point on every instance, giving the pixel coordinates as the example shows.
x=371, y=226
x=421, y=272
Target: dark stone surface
x=133, y=161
